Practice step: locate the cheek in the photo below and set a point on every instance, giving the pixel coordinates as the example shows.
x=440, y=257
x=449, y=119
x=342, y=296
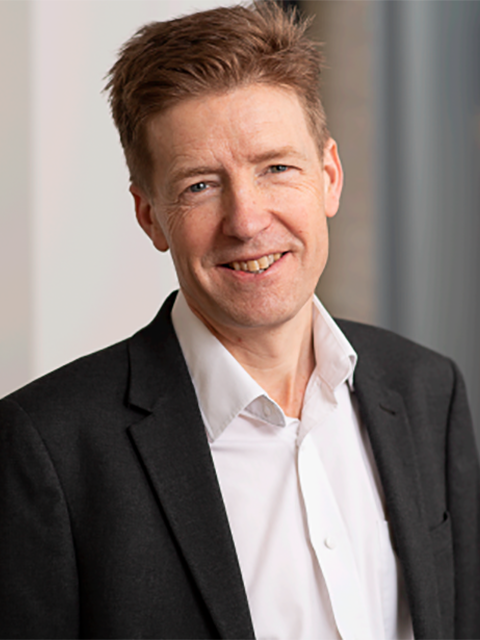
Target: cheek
x=305, y=202
x=309, y=222
x=191, y=239
x=314, y=234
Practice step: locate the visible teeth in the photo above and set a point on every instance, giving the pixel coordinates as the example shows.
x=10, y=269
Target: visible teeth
x=256, y=266
x=263, y=263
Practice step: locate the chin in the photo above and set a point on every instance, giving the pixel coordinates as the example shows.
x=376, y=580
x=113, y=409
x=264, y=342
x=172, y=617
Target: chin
x=259, y=314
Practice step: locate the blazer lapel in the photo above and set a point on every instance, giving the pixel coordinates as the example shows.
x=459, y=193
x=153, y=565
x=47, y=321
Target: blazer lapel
x=172, y=444
x=384, y=415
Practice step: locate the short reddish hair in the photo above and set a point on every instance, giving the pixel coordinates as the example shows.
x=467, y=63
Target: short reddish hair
x=210, y=52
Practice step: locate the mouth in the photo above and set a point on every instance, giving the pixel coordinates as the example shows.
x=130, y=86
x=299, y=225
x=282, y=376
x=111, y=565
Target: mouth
x=259, y=265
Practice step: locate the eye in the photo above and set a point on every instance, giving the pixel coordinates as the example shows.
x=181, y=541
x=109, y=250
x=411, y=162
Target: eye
x=278, y=168
x=198, y=187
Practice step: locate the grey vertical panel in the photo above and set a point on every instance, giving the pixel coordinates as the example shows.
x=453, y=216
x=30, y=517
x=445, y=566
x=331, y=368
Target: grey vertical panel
x=429, y=75
x=15, y=244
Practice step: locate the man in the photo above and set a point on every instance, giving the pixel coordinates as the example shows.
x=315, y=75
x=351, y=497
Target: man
x=232, y=470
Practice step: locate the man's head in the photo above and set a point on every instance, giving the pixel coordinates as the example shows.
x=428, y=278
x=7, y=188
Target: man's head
x=232, y=167
x=205, y=53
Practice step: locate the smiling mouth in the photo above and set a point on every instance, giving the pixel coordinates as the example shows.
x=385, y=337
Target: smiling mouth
x=255, y=266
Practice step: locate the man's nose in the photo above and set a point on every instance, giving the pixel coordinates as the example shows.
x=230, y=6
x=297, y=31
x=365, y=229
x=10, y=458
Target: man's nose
x=245, y=211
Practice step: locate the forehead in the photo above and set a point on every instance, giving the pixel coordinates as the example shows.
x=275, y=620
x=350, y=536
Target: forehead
x=234, y=123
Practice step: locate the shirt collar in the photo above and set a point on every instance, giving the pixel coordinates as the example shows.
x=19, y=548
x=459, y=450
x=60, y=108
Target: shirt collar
x=335, y=357
x=223, y=386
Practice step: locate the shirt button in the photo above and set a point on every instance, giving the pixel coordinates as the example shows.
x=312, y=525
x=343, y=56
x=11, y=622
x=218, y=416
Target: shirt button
x=330, y=543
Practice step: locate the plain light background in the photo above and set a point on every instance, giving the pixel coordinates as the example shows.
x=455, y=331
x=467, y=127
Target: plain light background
x=77, y=272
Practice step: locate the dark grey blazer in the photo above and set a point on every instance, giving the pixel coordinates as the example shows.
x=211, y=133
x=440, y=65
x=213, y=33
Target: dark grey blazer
x=112, y=523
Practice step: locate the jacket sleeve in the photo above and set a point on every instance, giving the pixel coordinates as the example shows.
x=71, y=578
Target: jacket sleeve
x=38, y=577
x=464, y=506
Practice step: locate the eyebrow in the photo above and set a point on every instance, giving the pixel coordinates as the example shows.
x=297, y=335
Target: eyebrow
x=274, y=154
x=180, y=174
x=188, y=172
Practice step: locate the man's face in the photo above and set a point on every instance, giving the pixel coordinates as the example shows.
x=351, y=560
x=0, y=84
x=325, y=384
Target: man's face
x=240, y=195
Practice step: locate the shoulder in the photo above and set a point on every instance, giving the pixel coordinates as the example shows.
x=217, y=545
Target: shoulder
x=81, y=402
x=389, y=348
x=94, y=376
x=98, y=381
x=398, y=361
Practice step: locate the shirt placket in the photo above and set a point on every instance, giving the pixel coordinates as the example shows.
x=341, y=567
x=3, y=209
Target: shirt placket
x=331, y=543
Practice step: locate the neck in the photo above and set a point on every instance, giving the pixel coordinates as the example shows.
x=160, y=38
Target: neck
x=281, y=359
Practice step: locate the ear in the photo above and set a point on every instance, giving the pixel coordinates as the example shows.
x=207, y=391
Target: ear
x=147, y=218
x=333, y=176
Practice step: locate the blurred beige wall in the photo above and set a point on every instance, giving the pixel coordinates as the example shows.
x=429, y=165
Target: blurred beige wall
x=349, y=285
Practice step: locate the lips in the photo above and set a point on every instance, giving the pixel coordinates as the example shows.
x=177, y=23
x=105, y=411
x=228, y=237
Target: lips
x=258, y=265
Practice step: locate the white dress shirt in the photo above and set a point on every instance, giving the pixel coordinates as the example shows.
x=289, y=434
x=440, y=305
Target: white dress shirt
x=303, y=497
